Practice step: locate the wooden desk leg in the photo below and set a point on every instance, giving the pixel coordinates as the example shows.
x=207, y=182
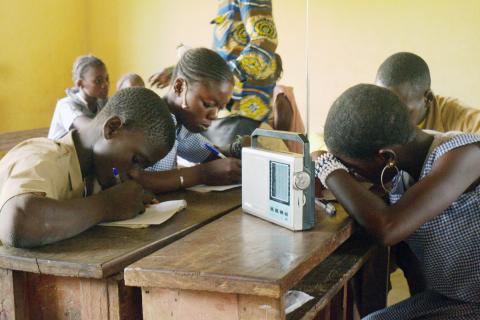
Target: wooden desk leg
x=8, y=309
x=161, y=303
x=372, y=282
x=38, y=296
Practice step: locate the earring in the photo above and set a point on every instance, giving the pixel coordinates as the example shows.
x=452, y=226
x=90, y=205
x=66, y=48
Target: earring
x=390, y=165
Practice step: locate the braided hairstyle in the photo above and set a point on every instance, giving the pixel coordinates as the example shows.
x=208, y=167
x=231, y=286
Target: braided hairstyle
x=83, y=63
x=202, y=65
x=141, y=109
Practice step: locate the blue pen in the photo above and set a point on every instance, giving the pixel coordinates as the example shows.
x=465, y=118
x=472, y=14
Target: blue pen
x=116, y=175
x=214, y=150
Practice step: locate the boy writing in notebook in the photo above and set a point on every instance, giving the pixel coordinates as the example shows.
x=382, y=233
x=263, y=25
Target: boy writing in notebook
x=42, y=182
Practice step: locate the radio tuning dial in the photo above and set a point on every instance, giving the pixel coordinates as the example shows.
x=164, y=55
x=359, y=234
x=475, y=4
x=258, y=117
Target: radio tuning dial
x=301, y=180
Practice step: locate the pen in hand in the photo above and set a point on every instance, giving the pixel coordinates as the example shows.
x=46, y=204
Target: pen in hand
x=214, y=150
x=116, y=175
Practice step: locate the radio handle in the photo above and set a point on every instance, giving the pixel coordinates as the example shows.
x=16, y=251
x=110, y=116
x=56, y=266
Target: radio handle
x=309, y=215
x=285, y=135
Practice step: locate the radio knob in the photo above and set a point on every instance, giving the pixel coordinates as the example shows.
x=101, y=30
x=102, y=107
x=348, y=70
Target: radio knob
x=301, y=180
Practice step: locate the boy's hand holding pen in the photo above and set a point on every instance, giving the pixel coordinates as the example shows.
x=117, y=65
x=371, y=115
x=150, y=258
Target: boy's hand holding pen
x=148, y=195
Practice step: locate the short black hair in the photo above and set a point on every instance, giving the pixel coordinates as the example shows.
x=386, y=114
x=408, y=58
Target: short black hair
x=364, y=119
x=142, y=109
x=405, y=67
x=202, y=65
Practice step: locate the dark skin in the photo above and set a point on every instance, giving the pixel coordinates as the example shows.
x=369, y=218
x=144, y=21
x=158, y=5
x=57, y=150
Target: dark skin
x=31, y=219
x=453, y=174
x=161, y=79
x=93, y=86
x=195, y=106
x=417, y=101
x=282, y=113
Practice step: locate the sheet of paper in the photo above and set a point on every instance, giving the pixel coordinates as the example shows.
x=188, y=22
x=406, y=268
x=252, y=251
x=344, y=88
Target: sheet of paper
x=295, y=299
x=204, y=188
x=154, y=215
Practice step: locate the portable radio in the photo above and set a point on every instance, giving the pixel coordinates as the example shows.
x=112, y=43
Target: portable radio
x=279, y=186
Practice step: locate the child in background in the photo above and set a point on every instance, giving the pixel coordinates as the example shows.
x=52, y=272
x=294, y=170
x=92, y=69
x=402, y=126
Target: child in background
x=130, y=80
x=83, y=101
x=42, y=181
x=201, y=85
x=434, y=198
x=408, y=76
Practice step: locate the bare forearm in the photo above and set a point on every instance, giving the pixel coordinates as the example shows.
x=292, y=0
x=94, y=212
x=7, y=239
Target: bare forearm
x=368, y=209
x=29, y=221
x=165, y=181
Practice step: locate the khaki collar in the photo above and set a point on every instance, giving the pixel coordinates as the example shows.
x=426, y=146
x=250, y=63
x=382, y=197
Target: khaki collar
x=75, y=172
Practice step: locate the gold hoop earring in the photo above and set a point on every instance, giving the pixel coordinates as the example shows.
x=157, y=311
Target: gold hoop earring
x=390, y=164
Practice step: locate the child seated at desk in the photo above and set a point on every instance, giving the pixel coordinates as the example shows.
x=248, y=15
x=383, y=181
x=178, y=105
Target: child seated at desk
x=408, y=76
x=130, y=80
x=434, y=198
x=43, y=197
x=202, y=84
x=83, y=101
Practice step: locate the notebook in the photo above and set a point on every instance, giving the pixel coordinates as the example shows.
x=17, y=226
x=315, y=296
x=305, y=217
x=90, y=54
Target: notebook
x=155, y=214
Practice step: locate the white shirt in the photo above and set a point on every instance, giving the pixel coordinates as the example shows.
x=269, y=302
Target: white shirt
x=67, y=110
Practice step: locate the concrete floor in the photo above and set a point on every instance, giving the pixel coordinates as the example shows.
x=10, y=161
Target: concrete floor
x=399, y=290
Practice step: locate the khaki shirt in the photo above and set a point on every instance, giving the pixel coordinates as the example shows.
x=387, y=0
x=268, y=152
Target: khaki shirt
x=43, y=166
x=447, y=114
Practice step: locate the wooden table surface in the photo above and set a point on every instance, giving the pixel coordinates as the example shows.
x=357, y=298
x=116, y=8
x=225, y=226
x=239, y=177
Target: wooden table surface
x=242, y=254
x=102, y=251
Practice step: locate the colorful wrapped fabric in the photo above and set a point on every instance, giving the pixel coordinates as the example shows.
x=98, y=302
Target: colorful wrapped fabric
x=246, y=37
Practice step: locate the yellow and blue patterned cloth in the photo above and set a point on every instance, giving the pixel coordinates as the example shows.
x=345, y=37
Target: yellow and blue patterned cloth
x=246, y=37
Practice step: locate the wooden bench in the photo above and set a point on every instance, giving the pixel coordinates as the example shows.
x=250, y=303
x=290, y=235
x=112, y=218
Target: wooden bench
x=82, y=278
x=10, y=139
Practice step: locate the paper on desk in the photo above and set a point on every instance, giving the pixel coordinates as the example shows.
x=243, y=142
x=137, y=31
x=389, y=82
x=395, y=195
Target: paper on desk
x=204, y=188
x=155, y=214
x=295, y=299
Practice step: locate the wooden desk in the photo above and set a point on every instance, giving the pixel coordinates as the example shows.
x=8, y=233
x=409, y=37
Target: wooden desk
x=238, y=267
x=8, y=140
x=81, y=277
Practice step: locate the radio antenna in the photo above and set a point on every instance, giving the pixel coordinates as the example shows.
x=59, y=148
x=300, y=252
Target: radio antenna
x=307, y=80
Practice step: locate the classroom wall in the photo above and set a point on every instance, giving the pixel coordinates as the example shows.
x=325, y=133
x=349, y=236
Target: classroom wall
x=348, y=40
x=39, y=41
x=141, y=36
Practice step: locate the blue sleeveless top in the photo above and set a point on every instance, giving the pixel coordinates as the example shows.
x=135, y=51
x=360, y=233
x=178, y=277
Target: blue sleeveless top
x=448, y=246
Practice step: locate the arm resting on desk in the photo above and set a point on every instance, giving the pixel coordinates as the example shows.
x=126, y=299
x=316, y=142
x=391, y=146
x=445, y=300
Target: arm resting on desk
x=30, y=219
x=216, y=172
x=453, y=174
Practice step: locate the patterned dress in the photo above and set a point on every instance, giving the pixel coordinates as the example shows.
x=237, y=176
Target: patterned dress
x=188, y=145
x=246, y=37
x=448, y=249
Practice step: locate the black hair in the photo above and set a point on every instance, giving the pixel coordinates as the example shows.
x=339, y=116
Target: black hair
x=364, y=119
x=82, y=63
x=202, y=65
x=405, y=67
x=142, y=109
x=129, y=77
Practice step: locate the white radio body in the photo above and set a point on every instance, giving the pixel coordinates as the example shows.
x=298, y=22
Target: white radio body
x=277, y=186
